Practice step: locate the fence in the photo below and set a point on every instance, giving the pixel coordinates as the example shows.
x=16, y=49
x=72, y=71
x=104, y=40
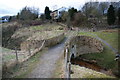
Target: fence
x=27, y=51
x=78, y=45
x=67, y=65
x=19, y=56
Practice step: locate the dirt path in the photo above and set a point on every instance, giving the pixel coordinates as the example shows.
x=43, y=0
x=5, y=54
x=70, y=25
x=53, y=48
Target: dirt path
x=47, y=63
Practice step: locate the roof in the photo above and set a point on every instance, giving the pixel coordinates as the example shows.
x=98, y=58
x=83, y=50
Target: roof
x=5, y=17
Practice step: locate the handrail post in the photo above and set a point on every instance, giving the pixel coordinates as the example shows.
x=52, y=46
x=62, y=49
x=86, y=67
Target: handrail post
x=29, y=50
x=16, y=54
x=69, y=70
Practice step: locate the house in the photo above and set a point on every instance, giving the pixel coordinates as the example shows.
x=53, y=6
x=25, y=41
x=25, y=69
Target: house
x=5, y=19
x=56, y=14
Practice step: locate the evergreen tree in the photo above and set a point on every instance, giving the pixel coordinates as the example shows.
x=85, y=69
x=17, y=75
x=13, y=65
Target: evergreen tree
x=47, y=13
x=72, y=11
x=119, y=14
x=18, y=15
x=111, y=15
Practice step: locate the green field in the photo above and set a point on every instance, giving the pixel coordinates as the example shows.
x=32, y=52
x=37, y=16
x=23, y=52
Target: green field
x=111, y=38
x=7, y=54
x=106, y=58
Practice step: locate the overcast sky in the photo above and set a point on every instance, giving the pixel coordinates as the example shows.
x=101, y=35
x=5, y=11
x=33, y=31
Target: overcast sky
x=12, y=7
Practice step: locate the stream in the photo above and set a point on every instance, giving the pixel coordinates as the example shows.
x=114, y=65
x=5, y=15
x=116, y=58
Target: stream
x=90, y=64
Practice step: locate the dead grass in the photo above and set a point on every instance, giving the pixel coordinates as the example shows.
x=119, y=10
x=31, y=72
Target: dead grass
x=21, y=70
x=45, y=35
x=32, y=30
x=82, y=72
x=28, y=33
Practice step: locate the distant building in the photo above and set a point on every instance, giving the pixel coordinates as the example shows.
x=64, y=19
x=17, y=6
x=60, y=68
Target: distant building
x=5, y=19
x=56, y=14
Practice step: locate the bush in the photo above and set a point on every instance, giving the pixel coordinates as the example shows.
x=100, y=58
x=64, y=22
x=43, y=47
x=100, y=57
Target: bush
x=79, y=19
x=27, y=23
x=28, y=13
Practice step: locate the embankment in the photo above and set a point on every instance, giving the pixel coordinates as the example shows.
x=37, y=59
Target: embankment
x=33, y=45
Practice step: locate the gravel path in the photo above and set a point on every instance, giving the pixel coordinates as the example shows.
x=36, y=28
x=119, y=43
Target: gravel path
x=47, y=62
x=113, y=49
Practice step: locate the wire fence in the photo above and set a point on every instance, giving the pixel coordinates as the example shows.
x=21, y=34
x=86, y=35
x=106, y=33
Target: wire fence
x=16, y=57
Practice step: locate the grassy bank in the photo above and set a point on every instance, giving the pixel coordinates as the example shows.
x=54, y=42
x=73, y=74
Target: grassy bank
x=7, y=54
x=106, y=58
x=82, y=72
x=45, y=31
x=21, y=71
x=110, y=37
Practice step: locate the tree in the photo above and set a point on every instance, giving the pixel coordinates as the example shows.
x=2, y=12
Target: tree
x=12, y=18
x=71, y=12
x=103, y=6
x=85, y=9
x=111, y=15
x=28, y=13
x=64, y=16
x=119, y=14
x=90, y=9
x=18, y=15
x=47, y=13
x=79, y=19
x=42, y=17
x=95, y=12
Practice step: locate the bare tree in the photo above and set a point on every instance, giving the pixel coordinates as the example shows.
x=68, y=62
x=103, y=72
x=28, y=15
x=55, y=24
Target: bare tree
x=28, y=13
x=91, y=8
x=103, y=6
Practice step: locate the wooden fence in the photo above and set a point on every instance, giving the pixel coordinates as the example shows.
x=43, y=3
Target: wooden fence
x=20, y=56
x=67, y=65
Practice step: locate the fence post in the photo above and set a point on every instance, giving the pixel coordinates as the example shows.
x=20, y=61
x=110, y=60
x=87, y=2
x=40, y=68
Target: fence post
x=16, y=54
x=67, y=64
x=29, y=50
x=66, y=58
x=69, y=70
x=119, y=66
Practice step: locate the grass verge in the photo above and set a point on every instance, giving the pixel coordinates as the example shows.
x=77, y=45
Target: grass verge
x=82, y=72
x=105, y=59
x=110, y=37
x=21, y=70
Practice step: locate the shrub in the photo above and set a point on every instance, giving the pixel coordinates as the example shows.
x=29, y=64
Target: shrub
x=79, y=19
x=28, y=13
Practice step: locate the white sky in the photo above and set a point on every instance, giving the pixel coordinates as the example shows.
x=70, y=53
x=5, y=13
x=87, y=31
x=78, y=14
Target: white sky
x=12, y=7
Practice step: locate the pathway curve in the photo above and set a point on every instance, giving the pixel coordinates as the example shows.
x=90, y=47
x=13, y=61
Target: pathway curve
x=47, y=62
x=113, y=49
